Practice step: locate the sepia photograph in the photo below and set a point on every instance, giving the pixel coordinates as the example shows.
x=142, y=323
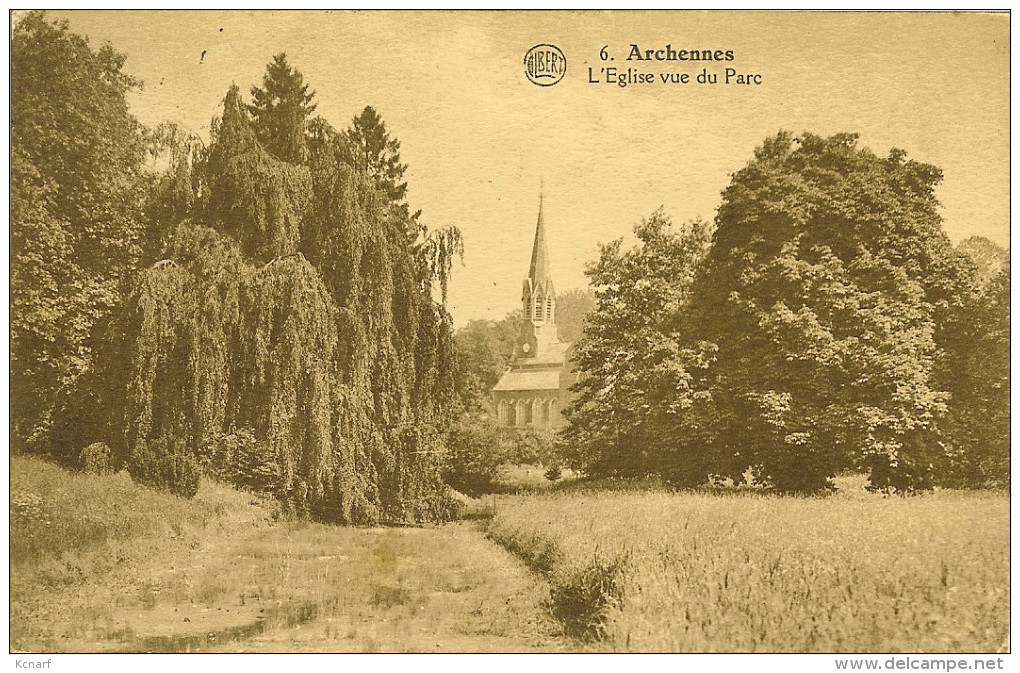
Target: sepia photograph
x=589, y=331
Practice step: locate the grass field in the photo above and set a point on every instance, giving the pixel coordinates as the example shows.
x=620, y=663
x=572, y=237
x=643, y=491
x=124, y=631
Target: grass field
x=746, y=572
x=99, y=564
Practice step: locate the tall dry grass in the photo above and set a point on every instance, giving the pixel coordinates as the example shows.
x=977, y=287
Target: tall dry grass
x=85, y=548
x=747, y=572
x=100, y=564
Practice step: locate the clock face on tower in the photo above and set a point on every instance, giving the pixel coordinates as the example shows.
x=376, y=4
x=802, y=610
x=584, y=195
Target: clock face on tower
x=526, y=347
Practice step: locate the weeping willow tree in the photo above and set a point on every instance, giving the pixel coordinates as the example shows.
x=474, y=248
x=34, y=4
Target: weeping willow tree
x=288, y=339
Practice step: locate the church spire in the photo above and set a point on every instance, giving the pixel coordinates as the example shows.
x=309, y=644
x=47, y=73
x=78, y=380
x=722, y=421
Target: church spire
x=538, y=331
x=540, y=274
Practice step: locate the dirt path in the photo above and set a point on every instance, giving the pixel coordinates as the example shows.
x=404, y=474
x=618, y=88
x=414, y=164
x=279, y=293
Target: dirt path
x=140, y=571
x=221, y=574
x=446, y=589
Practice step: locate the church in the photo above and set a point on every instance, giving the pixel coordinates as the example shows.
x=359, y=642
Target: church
x=535, y=390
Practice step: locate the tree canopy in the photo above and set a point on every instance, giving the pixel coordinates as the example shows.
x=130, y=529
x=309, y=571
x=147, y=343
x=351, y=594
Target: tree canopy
x=811, y=337
x=76, y=220
x=286, y=339
x=638, y=369
x=376, y=154
x=266, y=308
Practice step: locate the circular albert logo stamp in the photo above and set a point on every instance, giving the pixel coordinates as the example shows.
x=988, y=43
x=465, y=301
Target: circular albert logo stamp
x=545, y=64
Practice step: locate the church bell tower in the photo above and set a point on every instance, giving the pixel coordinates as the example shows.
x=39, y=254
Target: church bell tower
x=538, y=299
x=535, y=388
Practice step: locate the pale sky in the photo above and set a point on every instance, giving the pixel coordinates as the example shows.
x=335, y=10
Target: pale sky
x=479, y=137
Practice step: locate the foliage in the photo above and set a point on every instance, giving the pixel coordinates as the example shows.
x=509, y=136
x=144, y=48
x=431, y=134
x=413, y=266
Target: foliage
x=639, y=369
x=485, y=349
x=531, y=446
x=76, y=155
x=583, y=600
x=974, y=368
x=255, y=198
x=174, y=188
x=827, y=282
x=281, y=109
x=988, y=258
x=572, y=307
x=807, y=338
x=239, y=458
x=289, y=341
x=476, y=448
x=376, y=154
x=165, y=466
x=96, y=459
x=434, y=254
x=977, y=376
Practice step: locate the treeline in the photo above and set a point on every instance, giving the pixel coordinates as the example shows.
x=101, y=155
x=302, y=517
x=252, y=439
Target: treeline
x=823, y=323
x=260, y=309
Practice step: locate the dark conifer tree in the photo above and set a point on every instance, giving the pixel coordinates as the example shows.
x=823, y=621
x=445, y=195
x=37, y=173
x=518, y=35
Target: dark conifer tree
x=281, y=109
x=376, y=154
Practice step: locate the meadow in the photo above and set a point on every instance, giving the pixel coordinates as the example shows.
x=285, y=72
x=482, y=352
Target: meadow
x=100, y=564
x=740, y=571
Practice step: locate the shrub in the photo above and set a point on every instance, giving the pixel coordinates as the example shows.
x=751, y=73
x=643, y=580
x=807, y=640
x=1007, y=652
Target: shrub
x=241, y=459
x=554, y=473
x=475, y=450
x=165, y=465
x=96, y=459
x=529, y=446
x=582, y=600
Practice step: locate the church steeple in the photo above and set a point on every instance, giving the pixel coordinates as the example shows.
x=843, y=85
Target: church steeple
x=539, y=273
x=538, y=298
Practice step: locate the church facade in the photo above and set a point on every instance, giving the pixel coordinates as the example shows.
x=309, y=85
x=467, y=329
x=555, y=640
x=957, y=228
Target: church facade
x=535, y=390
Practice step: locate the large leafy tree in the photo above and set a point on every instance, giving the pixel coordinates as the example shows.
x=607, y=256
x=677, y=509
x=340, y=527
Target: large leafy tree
x=826, y=291
x=988, y=257
x=640, y=368
x=572, y=307
x=76, y=226
x=484, y=351
x=281, y=109
x=809, y=338
x=975, y=370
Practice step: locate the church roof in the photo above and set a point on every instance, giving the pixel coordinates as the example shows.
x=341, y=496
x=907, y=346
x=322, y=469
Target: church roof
x=529, y=379
x=554, y=354
x=540, y=273
x=536, y=373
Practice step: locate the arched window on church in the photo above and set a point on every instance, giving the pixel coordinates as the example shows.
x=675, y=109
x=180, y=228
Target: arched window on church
x=538, y=307
x=501, y=412
x=529, y=415
x=548, y=308
x=545, y=412
x=552, y=412
x=511, y=413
